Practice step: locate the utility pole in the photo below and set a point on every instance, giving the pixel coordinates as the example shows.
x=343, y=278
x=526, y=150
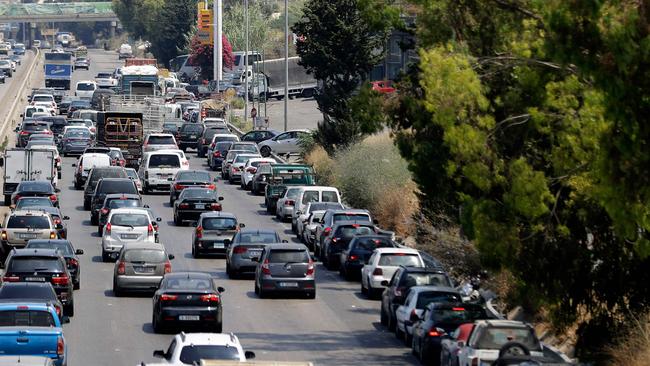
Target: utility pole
x=218, y=35
x=286, y=63
x=246, y=63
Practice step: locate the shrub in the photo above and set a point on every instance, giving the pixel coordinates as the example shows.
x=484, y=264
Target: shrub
x=237, y=103
x=634, y=348
x=324, y=166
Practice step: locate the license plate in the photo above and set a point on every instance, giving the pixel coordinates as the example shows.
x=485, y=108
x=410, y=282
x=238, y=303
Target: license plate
x=254, y=253
x=144, y=269
x=218, y=245
x=288, y=284
x=199, y=207
x=193, y=136
x=129, y=236
x=27, y=236
x=35, y=279
x=189, y=317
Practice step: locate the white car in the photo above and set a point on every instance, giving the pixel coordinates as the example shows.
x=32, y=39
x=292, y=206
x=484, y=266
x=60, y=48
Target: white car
x=417, y=299
x=250, y=168
x=284, y=143
x=85, y=89
x=237, y=166
x=126, y=225
x=158, y=169
x=488, y=336
x=105, y=80
x=46, y=101
x=308, y=231
x=197, y=346
x=381, y=266
x=284, y=206
x=31, y=109
x=133, y=174
x=159, y=141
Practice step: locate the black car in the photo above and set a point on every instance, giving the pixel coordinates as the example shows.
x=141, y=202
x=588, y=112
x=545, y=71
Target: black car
x=190, y=178
x=64, y=105
x=116, y=200
x=353, y=258
x=29, y=128
x=257, y=136
x=30, y=292
x=69, y=253
x=3, y=77
x=95, y=175
x=42, y=265
x=206, y=139
x=171, y=128
x=260, y=179
x=35, y=188
x=403, y=279
x=187, y=299
x=107, y=186
x=57, y=124
x=342, y=235
x=78, y=104
x=437, y=321
x=219, y=153
x=192, y=202
x=189, y=134
x=57, y=218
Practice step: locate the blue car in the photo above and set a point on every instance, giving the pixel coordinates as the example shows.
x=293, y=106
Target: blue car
x=32, y=329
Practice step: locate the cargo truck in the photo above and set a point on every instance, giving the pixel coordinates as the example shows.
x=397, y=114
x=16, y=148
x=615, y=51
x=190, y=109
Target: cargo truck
x=271, y=82
x=123, y=130
x=139, y=80
x=58, y=70
x=21, y=165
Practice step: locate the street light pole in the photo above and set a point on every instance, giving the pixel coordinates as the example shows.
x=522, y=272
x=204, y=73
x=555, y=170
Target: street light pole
x=246, y=63
x=218, y=14
x=286, y=63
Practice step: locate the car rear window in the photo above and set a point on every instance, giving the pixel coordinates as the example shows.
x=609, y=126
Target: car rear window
x=246, y=147
x=288, y=255
x=35, y=126
x=191, y=355
x=27, y=292
x=35, y=187
x=197, y=193
x=119, y=203
x=354, y=230
x=26, y=318
x=164, y=161
x=426, y=279
x=63, y=247
x=187, y=283
x=219, y=223
x=351, y=217
x=371, y=244
x=77, y=133
x=458, y=315
x=144, y=255
x=98, y=174
x=32, y=222
x=193, y=176
x=125, y=186
x=330, y=196
x=35, y=264
x=426, y=298
x=243, y=158
x=161, y=140
x=292, y=193
x=34, y=202
x=496, y=337
x=130, y=219
x=85, y=86
x=399, y=259
x=219, y=139
x=310, y=196
x=192, y=127
x=42, y=98
x=257, y=238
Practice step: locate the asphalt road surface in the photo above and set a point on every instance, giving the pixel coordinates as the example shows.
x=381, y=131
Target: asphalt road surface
x=339, y=327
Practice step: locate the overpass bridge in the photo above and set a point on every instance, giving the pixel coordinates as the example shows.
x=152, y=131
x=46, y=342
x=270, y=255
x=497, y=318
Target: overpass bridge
x=57, y=12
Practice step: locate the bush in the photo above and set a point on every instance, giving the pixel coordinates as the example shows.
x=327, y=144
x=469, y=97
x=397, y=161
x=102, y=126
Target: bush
x=237, y=103
x=324, y=166
x=633, y=348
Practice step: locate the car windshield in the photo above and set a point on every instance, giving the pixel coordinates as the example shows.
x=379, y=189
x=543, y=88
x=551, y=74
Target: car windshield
x=288, y=255
x=223, y=146
x=62, y=246
x=164, y=161
x=132, y=173
x=26, y=318
x=35, y=264
x=399, y=259
x=351, y=217
x=187, y=283
x=197, y=193
x=329, y=196
x=371, y=244
x=426, y=298
x=85, y=86
x=310, y=196
x=257, y=238
x=426, y=279
x=458, y=314
x=34, y=202
x=219, y=223
x=161, y=140
x=119, y=203
x=496, y=337
x=195, y=353
x=144, y=255
x=32, y=222
x=124, y=219
x=193, y=176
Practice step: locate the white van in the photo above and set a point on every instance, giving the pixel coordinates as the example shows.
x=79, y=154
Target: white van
x=85, y=163
x=239, y=61
x=85, y=89
x=158, y=169
x=313, y=194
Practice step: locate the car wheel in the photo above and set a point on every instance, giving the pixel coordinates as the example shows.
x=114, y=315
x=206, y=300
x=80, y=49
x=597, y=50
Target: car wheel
x=155, y=324
x=177, y=221
x=218, y=327
x=117, y=292
x=94, y=220
x=145, y=188
x=391, y=322
x=100, y=230
x=200, y=153
x=171, y=200
x=364, y=291
x=86, y=204
x=408, y=339
x=68, y=309
x=265, y=151
x=398, y=332
x=311, y=295
x=77, y=284
x=58, y=175
x=7, y=200
x=194, y=255
x=231, y=274
x=105, y=257
x=77, y=186
x=294, y=229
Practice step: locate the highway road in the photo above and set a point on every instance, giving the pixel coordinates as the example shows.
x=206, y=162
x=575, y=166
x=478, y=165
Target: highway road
x=339, y=327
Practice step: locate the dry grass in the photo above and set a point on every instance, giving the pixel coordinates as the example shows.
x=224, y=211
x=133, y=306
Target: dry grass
x=396, y=208
x=635, y=349
x=324, y=166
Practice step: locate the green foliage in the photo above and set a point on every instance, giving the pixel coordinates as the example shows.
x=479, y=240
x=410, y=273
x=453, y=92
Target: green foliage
x=340, y=49
x=234, y=26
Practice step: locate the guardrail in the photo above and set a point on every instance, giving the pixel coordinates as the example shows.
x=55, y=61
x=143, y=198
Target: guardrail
x=9, y=119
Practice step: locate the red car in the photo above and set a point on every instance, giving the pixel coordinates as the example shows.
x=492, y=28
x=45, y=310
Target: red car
x=383, y=86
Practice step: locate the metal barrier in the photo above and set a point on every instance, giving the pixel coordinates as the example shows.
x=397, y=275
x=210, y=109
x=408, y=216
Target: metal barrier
x=9, y=121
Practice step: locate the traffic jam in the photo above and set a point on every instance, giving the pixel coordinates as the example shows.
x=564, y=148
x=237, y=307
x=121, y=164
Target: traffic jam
x=122, y=154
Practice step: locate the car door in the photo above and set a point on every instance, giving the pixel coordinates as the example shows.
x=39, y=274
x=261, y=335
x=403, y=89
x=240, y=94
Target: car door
x=403, y=310
x=283, y=142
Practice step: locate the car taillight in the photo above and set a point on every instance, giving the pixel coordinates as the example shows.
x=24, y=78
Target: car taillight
x=47, y=132
x=310, y=268
x=60, y=346
x=199, y=232
x=353, y=258
x=212, y=187
x=234, y=169
x=168, y=266
x=251, y=169
x=215, y=206
x=121, y=268
x=104, y=211
x=184, y=205
x=212, y=145
x=327, y=231
x=334, y=240
x=53, y=198
x=377, y=272
x=23, y=133
x=265, y=267
x=107, y=229
x=239, y=250
x=73, y=262
x=61, y=280
x=3, y=235
x=216, y=154
x=289, y=202
x=17, y=198
x=165, y=297
x=58, y=311
x=122, y=162
x=150, y=229
x=10, y=279
x=52, y=234
x=179, y=187
x=185, y=162
x=210, y=298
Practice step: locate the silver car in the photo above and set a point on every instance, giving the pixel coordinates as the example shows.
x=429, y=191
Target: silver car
x=213, y=233
x=246, y=245
x=23, y=225
x=284, y=143
x=237, y=166
x=285, y=204
x=126, y=225
x=140, y=267
x=285, y=268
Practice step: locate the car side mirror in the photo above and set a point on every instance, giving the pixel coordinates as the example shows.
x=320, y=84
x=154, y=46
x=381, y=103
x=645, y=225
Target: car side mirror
x=66, y=217
x=285, y=240
x=195, y=223
x=220, y=198
x=21, y=116
x=171, y=256
x=227, y=241
x=215, y=179
x=159, y=353
x=384, y=283
x=146, y=206
x=221, y=289
x=242, y=225
x=79, y=251
x=414, y=318
x=17, y=128
x=255, y=259
x=187, y=157
x=57, y=190
x=461, y=344
x=170, y=179
x=65, y=319
x=74, y=165
x=158, y=219
x=298, y=213
x=249, y=355
x=2, y=161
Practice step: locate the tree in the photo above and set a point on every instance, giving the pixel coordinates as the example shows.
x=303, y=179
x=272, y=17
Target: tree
x=339, y=47
x=173, y=25
x=203, y=56
x=234, y=22
x=137, y=16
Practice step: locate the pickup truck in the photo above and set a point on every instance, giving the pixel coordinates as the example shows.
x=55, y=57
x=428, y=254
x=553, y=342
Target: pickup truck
x=282, y=176
x=32, y=329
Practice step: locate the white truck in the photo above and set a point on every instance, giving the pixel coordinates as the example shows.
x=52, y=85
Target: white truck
x=22, y=164
x=271, y=84
x=126, y=51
